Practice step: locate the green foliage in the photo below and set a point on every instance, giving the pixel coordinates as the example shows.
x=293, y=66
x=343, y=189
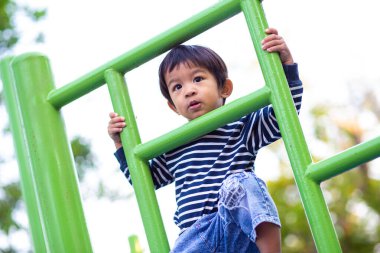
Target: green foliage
x=10, y=192
x=296, y=236
x=34, y=15
x=353, y=197
x=353, y=201
x=372, y=196
x=9, y=250
x=84, y=159
x=9, y=34
x=10, y=201
x=356, y=222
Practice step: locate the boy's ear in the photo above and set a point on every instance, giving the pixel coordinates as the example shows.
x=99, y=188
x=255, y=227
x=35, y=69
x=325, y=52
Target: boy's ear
x=227, y=88
x=171, y=106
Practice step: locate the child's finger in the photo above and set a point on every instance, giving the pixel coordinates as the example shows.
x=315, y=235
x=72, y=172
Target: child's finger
x=113, y=125
x=115, y=129
x=271, y=30
x=277, y=48
x=117, y=119
x=120, y=124
x=272, y=37
x=273, y=43
x=112, y=114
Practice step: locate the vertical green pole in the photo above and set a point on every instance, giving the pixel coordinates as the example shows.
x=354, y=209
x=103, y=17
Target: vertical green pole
x=312, y=198
x=139, y=170
x=134, y=244
x=51, y=159
x=28, y=186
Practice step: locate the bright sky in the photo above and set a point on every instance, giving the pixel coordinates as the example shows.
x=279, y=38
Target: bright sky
x=334, y=42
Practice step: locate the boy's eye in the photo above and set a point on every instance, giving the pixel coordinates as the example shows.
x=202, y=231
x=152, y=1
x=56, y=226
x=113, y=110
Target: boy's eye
x=198, y=79
x=177, y=87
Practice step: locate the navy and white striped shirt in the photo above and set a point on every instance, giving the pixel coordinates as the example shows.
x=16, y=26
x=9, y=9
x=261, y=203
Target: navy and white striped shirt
x=199, y=167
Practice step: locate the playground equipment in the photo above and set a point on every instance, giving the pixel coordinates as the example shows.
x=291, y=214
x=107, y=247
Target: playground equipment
x=48, y=177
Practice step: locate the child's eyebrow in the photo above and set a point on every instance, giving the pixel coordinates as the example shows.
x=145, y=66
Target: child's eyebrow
x=199, y=70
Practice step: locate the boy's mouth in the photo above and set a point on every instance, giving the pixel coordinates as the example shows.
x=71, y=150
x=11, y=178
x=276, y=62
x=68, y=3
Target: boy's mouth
x=194, y=105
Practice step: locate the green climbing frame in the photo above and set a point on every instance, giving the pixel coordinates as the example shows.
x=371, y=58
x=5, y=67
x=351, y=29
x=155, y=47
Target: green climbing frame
x=48, y=177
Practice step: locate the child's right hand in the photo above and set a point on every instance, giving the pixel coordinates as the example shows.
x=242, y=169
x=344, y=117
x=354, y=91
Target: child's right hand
x=115, y=127
x=275, y=43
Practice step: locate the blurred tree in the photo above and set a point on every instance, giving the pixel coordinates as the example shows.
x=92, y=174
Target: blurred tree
x=9, y=34
x=11, y=204
x=11, y=198
x=83, y=157
x=10, y=192
x=352, y=197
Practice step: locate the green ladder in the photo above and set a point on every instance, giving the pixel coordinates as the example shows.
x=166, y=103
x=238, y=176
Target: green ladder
x=47, y=171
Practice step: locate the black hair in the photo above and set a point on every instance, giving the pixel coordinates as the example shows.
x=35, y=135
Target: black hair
x=196, y=55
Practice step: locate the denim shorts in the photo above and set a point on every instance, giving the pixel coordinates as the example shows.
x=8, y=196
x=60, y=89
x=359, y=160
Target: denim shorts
x=244, y=203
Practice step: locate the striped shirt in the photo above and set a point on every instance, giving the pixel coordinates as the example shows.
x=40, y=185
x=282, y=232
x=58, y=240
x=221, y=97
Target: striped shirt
x=199, y=167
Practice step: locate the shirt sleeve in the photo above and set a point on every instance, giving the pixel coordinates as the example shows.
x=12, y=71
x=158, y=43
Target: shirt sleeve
x=160, y=174
x=262, y=124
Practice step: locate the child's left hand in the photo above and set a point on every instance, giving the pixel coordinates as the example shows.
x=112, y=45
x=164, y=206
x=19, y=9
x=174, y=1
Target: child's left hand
x=275, y=43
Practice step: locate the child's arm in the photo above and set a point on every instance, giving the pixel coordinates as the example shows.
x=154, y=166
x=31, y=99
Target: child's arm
x=264, y=127
x=115, y=126
x=275, y=43
x=161, y=175
x=263, y=123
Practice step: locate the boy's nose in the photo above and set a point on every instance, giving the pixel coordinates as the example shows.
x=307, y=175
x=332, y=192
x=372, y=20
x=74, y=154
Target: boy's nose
x=190, y=91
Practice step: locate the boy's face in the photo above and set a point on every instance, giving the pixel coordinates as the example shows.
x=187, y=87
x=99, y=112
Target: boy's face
x=194, y=91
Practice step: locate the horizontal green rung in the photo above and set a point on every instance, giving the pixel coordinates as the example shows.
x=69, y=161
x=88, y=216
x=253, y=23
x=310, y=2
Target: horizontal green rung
x=344, y=161
x=204, y=124
x=152, y=48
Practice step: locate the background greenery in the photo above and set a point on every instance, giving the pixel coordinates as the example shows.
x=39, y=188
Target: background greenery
x=11, y=202
x=352, y=197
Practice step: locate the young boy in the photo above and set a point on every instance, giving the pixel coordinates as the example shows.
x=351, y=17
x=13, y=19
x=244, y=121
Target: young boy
x=222, y=206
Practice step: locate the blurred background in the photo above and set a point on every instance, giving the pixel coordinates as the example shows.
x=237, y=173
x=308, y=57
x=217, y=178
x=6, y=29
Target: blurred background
x=334, y=43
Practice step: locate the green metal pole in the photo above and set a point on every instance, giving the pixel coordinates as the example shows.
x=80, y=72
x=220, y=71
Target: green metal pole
x=159, y=44
x=312, y=198
x=344, y=161
x=51, y=158
x=139, y=169
x=204, y=124
x=134, y=244
x=28, y=186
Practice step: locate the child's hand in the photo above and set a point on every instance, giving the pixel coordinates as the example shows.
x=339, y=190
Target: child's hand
x=275, y=43
x=115, y=126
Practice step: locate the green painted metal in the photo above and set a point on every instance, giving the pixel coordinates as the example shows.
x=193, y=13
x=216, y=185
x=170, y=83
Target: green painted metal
x=312, y=198
x=139, y=169
x=204, y=124
x=134, y=244
x=146, y=51
x=344, y=161
x=50, y=159
x=28, y=185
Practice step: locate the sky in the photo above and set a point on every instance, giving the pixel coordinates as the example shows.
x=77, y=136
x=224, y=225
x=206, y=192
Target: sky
x=334, y=43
